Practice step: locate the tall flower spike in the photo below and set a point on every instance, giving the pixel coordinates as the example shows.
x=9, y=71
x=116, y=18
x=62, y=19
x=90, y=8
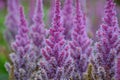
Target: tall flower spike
x=21, y=47
x=38, y=17
x=81, y=44
x=12, y=20
x=108, y=45
x=38, y=31
x=68, y=18
x=110, y=14
x=57, y=62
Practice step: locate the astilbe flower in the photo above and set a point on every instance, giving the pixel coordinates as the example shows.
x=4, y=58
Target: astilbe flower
x=108, y=45
x=37, y=29
x=22, y=58
x=12, y=20
x=81, y=44
x=68, y=18
x=21, y=46
x=117, y=68
x=57, y=63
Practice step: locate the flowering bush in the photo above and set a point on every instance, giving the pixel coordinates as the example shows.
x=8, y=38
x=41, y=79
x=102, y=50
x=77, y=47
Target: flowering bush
x=62, y=49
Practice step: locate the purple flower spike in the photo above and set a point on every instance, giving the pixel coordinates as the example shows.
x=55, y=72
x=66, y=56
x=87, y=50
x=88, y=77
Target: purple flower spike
x=110, y=14
x=108, y=45
x=22, y=38
x=68, y=18
x=56, y=54
x=21, y=44
x=38, y=17
x=12, y=20
x=81, y=44
x=21, y=47
x=38, y=31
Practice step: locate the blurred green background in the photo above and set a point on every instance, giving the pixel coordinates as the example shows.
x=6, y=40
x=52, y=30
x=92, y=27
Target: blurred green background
x=3, y=47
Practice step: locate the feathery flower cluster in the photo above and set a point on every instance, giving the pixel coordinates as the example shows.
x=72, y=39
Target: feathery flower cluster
x=37, y=29
x=108, y=45
x=68, y=18
x=66, y=52
x=12, y=20
x=81, y=44
x=56, y=53
x=21, y=47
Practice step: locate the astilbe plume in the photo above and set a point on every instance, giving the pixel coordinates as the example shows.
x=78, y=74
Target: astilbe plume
x=22, y=67
x=37, y=29
x=108, y=45
x=81, y=44
x=12, y=20
x=57, y=63
x=68, y=18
